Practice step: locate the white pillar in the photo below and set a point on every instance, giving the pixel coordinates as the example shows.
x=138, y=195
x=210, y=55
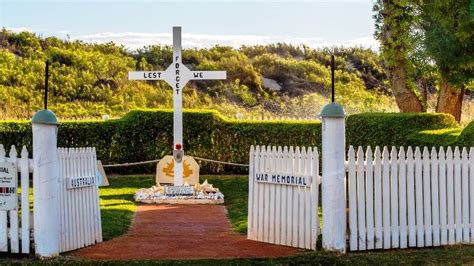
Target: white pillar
x=333, y=177
x=46, y=187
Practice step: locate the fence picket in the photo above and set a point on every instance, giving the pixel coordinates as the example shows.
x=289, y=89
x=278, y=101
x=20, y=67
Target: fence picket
x=370, y=199
x=260, y=227
x=267, y=187
x=97, y=200
x=450, y=195
x=295, y=209
x=278, y=169
x=471, y=190
x=289, y=197
x=250, y=200
x=361, y=199
x=314, y=199
x=386, y=198
x=25, y=202
x=378, y=198
x=442, y=196
x=435, y=197
x=256, y=197
x=308, y=204
x=411, y=198
x=427, y=197
x=3, y=215
x=457, y=195
x=419, y=197
x=402, y=192
x=394, y=197
x=352, y=200
x=14, y=241
x=271, y=220
x=465, y=195
x=284, y=211
x=301, y=200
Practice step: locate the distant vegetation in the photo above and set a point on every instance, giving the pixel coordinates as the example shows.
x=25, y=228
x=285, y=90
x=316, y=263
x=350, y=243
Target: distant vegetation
x=90, y=80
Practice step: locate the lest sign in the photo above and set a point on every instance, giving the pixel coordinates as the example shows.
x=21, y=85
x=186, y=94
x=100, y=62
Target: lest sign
x=8, y=186
x=283, y=179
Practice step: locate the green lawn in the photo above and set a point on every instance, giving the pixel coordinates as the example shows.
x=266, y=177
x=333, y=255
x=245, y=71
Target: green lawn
x=118, y=208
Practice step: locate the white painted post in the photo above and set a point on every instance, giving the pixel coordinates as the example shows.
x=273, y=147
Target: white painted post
x=46, y=184
x=333, y=189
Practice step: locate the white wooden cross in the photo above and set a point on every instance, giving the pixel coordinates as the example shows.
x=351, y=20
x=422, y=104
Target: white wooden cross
x=177, y=75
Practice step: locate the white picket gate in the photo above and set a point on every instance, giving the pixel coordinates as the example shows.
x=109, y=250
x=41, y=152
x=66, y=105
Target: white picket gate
x=283, y=196
x=15, y=224
x=80, y=206
x=411, y=198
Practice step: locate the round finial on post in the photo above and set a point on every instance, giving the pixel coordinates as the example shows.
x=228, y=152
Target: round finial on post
x=45, y=117
x=333, y=110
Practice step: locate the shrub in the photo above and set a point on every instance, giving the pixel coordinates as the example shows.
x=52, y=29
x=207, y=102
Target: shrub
x=146, y=135
x=466, y=139
x=398, y=129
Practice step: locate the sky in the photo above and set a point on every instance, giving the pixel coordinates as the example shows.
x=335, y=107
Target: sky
x=135, y=24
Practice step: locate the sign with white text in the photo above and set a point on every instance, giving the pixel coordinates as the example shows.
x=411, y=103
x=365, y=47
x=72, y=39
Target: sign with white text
x=283, y=179
x=8, y=186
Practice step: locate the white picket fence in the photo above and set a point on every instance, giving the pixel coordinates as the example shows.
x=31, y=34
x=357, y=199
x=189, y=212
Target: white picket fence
x=281, y=213
x=15, y=227
x=80, y=207
x=411, y=198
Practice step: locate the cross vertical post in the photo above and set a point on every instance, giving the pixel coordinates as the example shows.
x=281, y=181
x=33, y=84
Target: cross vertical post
x=177, y=107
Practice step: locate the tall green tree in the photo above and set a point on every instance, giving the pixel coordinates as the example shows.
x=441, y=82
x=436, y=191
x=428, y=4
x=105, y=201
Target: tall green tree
x=394, y=20
x=449, y=41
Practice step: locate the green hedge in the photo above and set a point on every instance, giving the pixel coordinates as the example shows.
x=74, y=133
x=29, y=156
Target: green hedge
x=146, y=135
x=466, y=139
x=402, y=129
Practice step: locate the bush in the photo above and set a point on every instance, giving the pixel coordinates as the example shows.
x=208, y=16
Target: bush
x=466, y=139
x=147, y=135
x=400, y=129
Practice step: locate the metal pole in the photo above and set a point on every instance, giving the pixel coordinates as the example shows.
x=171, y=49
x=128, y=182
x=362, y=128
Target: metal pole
x=46, y=79
x=332, y=78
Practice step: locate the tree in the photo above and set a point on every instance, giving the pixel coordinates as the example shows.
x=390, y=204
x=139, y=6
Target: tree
x=394, y=20
x=449, y=38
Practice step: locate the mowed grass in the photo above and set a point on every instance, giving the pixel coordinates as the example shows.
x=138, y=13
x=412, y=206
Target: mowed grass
x=118, y=207
x=117, y=204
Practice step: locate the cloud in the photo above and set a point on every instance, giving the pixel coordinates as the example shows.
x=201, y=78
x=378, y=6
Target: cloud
x=134, y=40
x=20, y=29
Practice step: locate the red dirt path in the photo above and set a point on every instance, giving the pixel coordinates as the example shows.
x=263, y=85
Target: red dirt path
x=181, y=232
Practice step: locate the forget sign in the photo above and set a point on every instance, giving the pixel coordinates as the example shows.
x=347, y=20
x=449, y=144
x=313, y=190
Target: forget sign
x=283, y=179
x=8, y=186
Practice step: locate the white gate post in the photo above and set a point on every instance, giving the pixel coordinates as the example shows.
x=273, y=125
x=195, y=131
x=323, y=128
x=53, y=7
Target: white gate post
x=333, y=176
x=46, y=184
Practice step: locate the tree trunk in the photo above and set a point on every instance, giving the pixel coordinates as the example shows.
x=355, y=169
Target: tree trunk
x=450, y=99
x=406, y=99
